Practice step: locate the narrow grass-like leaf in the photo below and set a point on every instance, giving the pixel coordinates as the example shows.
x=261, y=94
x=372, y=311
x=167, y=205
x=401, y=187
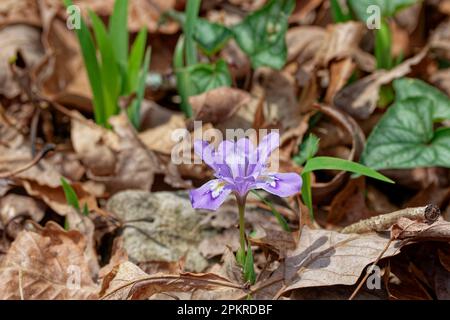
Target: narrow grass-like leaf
x=135, y=109
x=330, y=163
x=283, y=223
x=193, y=8
x=383, y=46
x=135, y=59
x=307, y=194
x=88, y=52
x=85, y=210
x=118, y=32
x=109, y=72
x=339, y=16
x=249, y=268
x=71, y=196
x=183, y=84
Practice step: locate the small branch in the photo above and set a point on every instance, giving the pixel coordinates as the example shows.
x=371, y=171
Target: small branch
x=429, y=214
x=47, y=148
x=369, y=271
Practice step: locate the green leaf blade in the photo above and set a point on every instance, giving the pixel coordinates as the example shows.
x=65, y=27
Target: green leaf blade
x=135, y=60
x=71, y=196
x=108, y=68
x=330, y=163
x=118, y=30
x=135, y=109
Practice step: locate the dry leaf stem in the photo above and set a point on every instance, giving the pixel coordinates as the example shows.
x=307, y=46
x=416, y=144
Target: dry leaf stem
x=429, y=214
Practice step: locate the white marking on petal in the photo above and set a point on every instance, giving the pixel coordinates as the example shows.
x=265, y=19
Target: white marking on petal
x=217, y=188
x=271, y=181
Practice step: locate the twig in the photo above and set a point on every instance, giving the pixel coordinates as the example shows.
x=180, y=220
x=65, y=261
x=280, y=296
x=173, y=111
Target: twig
x=39, y=156
x=429, y=214
x=376, y=261
x=369, y=271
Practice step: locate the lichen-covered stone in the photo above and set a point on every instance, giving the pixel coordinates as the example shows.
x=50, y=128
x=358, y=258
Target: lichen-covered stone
x=160, y=226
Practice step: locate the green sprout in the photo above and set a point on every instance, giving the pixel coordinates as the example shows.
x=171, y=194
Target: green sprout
x=72, y=200
x=113, y=70
x=261, y=35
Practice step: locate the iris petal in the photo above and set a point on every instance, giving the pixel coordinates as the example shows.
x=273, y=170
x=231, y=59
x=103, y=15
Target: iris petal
x=280, y=184
x=210, y=195
x=259, y=158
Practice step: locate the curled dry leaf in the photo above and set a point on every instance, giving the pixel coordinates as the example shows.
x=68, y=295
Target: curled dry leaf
x=440, y=40
x=360, y=98
x=128, y=281
x=15, y=208
x=341, y=42
x=62, y=76
x=47, y=263
x=13, y=39
x=323, y=190
x=219, y=104
x=280, y=101
x=325, y=258
x=406, y=229
x=303, y=42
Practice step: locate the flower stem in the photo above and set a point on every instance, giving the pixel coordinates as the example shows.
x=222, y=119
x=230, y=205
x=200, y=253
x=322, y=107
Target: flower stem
x=242, y=224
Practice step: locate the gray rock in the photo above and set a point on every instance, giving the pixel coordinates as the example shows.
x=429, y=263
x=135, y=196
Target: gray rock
x=161, y=226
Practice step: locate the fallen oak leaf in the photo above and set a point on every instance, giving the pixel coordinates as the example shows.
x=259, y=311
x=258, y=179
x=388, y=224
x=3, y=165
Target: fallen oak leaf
x=325, y=258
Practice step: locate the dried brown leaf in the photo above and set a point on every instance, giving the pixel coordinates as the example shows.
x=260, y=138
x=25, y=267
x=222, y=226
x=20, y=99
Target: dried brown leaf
x=360, y=98
x=127, y=281
x=219, y=104
x=325, y=258
x=47, y=264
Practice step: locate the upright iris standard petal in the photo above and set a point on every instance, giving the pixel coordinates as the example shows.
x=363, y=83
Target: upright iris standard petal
x=259, y=158
x=280, y=184
x=210, y=196
x=206, y=152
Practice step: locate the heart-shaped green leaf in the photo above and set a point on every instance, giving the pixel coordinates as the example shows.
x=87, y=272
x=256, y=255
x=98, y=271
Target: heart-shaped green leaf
x=388, y=8
x=409, y=88
x=205, y=77
x=262, y=34
x=404, y=138
x=210, y=37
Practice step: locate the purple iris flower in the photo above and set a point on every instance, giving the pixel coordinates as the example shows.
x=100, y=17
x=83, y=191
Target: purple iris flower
x=240, y=167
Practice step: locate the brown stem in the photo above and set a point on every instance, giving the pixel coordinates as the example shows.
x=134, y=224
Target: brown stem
x=429, y=213
x=34, y=161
